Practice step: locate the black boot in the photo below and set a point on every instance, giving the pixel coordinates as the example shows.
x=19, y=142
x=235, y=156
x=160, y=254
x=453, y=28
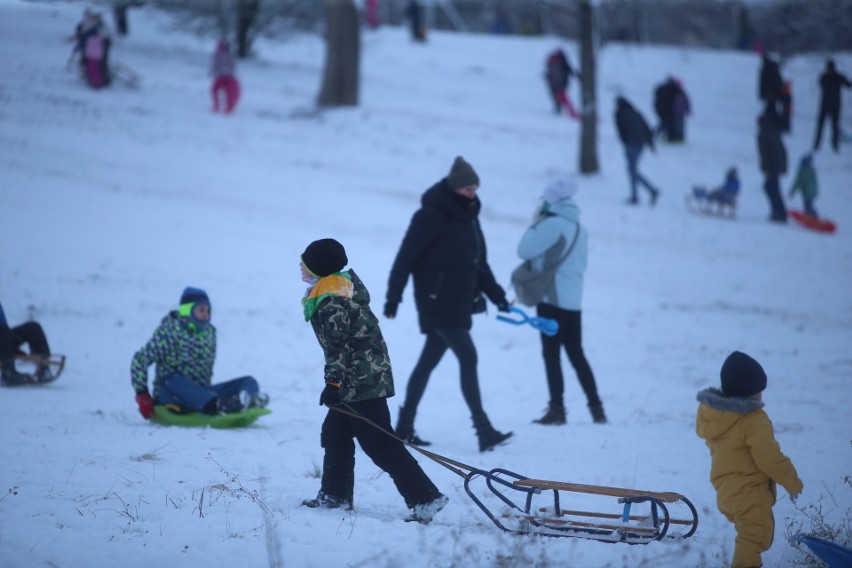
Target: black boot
x=598, y=415
x=555, y=415
x=489, y=438
x=405, y=428
x=10, y=375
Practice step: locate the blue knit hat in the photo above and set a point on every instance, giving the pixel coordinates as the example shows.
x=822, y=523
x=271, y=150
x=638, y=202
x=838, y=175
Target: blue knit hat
x=742, y=376
x=193, y=296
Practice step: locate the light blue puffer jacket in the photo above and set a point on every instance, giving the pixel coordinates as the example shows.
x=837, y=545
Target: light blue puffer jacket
x=562, y=220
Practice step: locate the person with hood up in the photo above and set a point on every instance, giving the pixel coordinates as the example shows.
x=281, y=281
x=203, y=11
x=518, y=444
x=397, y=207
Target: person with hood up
x=444, y=249
x=746, y=460
x=183, y=350
x=806, y=184
x=358, y=381
x=558, y=220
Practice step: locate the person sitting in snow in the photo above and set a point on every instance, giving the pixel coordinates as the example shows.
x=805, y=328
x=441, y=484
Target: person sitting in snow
x=183, y=348
x=746, y=460
x=358, y=382
x=806, y=184
x=11, y=340
x=723, y=196
x=225, y=84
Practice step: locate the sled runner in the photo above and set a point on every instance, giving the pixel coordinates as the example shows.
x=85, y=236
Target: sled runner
x=29, y=365
x=545, y=325
x=813, y=223
x=167, y=416
x=534, y=506
x=711, y=207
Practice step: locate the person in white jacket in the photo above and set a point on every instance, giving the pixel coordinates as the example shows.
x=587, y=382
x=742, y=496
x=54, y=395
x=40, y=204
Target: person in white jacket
x=559, y=217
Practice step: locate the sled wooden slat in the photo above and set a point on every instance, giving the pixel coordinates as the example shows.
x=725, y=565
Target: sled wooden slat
x=54, y=361
x=611, y=516
x=598, y=490
x=579, y=524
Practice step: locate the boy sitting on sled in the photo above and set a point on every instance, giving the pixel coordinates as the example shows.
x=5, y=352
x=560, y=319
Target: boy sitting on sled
x=183, y=349
x=722, y=197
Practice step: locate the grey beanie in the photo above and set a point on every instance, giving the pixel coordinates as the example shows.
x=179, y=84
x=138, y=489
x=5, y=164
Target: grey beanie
x=742, y=376
x=461, y=175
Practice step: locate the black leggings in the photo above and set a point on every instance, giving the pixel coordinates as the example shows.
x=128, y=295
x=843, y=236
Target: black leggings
x=30, y=333
x=571, y=338
x=438, y=341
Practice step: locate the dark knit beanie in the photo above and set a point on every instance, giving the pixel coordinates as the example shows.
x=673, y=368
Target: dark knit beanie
x=742, y=375
x=461, y=175
x=194, y=295
x=324, y=257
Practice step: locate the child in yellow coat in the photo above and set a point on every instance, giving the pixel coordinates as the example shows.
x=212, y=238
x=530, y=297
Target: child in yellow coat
x=746, y=459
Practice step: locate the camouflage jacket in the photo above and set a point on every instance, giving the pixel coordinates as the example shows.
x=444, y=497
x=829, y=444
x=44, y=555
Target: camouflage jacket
x=356, y=356
x=177, y=348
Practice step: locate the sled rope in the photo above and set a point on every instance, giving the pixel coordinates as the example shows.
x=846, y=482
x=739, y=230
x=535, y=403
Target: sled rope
x=451, y=464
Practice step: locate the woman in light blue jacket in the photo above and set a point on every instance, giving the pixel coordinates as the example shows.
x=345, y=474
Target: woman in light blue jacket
x=559, y=217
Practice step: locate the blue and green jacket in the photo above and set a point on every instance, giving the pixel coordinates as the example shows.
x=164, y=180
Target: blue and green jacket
x=178, y=347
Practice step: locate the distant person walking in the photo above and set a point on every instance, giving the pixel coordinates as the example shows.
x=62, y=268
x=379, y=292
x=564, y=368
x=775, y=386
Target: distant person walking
x=635, y=134
x=225, y=89
x=830, y=83
x=773, y=162
x=414, y=13
x=558, y=72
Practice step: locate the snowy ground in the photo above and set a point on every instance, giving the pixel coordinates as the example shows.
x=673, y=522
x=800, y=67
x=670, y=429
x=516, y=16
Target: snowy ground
x=113, y=201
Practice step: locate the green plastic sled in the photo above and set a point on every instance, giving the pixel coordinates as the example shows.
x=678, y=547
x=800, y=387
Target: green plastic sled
x=163, y=415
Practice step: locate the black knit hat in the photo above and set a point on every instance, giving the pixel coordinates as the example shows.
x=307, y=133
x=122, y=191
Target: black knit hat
x=461, y=175
x=742, y=375
x=324, y=257
x=192, y=295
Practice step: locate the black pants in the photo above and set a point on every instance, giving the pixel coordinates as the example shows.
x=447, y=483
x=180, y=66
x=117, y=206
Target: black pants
x=833, y=114
x=570, y=337
x=338, y=471
x=30, y=333
x=438, y=341
x=772, y=188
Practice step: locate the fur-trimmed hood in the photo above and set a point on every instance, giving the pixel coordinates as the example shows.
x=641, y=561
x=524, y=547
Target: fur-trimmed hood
x=722, y=411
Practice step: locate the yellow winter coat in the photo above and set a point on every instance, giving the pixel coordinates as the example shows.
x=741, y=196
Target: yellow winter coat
x=746, y=459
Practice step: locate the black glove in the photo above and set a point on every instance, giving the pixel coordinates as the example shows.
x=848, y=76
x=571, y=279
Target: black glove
x=503, y=305
x=390, y=309
x=330, y=394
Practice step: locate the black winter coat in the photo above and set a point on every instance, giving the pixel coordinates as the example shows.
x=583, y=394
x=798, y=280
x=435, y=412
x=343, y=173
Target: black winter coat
x=831, y=82
x=445, y=251
x=770, y=146
x=632, y=128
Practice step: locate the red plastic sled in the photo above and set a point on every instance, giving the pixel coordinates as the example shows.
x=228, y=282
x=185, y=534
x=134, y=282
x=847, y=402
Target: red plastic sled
x=813, y=223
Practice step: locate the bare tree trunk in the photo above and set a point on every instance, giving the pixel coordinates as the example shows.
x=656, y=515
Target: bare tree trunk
x=246, y=14
x=588, y=72
x=342, y=55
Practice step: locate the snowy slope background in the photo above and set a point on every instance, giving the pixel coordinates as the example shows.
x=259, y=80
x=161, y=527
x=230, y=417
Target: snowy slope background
x=113, y=201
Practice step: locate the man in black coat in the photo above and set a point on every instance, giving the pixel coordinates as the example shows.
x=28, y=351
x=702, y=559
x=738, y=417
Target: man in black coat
x=830, y=83
x=635, y=134
x=773, y=162
x=444, y=250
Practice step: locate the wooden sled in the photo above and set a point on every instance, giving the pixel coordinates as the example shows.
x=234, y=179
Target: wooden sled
x=644, y=516
x=30, y=364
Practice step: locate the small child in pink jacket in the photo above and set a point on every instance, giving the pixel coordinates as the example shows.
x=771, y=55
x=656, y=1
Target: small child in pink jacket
x=225, y=82
x=746, y=460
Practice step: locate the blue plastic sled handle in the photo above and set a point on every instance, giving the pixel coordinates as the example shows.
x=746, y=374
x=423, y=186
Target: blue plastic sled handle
x=546, y=326
x=832, y=554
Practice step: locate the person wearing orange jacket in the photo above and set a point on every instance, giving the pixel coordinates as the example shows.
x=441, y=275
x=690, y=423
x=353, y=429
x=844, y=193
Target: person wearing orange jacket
x=746, y=460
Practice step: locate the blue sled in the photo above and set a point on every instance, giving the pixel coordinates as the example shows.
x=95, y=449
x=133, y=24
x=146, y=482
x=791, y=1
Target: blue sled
x=832, y=554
